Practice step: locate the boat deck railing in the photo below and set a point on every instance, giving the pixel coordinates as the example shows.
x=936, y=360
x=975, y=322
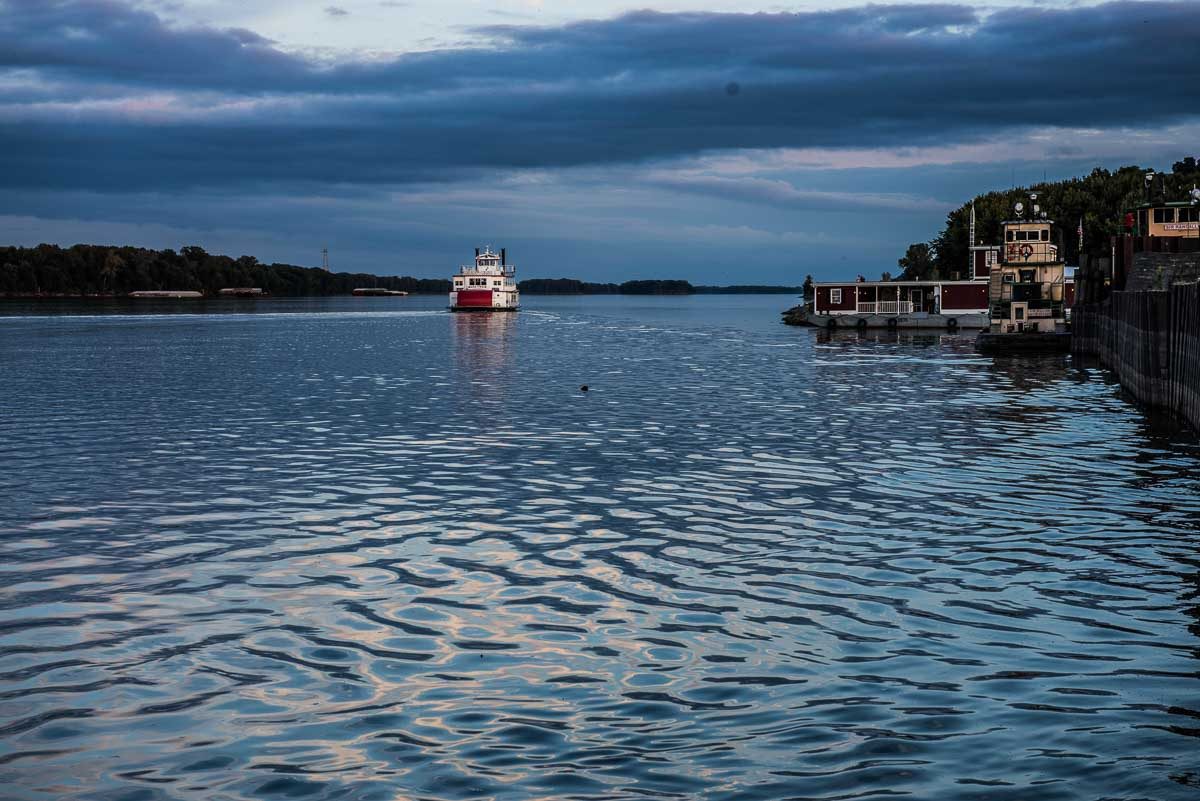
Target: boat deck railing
x=886, y=307
x=1030, y=253
x=507, y=270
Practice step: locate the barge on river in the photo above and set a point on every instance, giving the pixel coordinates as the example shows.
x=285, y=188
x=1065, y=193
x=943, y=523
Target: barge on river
x=377, y=292
x=960, y=302
x=898, y=304
x=489, y=285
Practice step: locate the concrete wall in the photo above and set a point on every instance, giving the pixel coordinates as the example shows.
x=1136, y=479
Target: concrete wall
x=1157, y=271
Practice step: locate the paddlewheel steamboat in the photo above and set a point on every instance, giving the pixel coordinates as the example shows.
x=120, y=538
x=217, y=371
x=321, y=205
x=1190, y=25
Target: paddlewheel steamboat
x=489, y=285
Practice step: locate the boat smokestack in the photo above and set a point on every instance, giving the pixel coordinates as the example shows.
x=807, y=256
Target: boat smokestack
x=503, y=259
x=477, y=253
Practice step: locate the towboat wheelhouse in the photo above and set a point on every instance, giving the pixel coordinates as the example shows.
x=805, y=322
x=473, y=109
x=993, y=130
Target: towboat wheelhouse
x=1027, y=290
x=489, y=285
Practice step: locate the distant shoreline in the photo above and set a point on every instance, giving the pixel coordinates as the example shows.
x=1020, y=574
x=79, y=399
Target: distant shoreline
x=104, y=272
x=49, y=296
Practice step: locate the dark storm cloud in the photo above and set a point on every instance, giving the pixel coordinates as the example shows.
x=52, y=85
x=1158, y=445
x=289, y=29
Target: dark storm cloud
x=642, y=86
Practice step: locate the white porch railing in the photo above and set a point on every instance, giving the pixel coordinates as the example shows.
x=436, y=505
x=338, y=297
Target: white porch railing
x=886, y=307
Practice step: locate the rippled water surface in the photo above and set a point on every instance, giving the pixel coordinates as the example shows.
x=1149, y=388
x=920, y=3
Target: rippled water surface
x=367, y=549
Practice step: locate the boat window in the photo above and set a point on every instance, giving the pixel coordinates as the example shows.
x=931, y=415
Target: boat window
x=835, y=296
x=1008, y=235
x=1019, y=312
x=1189, y=215
x=1164, y=215
x=1045, y=234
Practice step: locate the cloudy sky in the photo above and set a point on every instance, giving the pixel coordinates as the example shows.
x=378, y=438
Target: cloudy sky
x=728, y=142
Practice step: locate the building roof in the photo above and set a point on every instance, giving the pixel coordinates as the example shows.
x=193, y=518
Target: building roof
x=1161, y=205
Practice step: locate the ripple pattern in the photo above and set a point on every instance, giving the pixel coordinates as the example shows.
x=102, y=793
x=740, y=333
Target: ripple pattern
x=393, y=555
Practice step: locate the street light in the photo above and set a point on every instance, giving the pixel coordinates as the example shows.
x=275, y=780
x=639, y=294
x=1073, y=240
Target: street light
x=1194, y=202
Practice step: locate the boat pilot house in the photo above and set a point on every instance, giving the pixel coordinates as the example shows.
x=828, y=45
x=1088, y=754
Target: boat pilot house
x=1028, y=291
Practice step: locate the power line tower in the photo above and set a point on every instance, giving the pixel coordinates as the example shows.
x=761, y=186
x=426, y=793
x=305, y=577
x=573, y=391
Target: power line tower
x=325, y=259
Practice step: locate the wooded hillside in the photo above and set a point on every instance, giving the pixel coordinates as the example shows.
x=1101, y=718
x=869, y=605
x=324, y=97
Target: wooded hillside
x=1098, y=198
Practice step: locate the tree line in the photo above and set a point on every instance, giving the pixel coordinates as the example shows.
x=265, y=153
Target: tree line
x=1098, y=200
x=107, y=270
x=83, y=270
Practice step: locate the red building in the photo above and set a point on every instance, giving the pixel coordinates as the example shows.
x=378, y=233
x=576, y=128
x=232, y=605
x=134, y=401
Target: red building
x=902, y=297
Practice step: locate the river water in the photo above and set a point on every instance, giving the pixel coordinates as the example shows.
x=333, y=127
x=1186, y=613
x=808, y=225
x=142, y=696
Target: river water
x=368, y=549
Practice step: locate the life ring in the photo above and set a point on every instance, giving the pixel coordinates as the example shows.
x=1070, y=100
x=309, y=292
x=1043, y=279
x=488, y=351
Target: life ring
x=952, y=324
x=1026, y=251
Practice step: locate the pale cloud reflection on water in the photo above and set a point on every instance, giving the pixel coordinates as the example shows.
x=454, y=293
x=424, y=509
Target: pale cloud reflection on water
x=381, y=554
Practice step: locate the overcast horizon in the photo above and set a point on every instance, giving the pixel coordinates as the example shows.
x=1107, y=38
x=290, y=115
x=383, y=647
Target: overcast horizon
x=743, y=143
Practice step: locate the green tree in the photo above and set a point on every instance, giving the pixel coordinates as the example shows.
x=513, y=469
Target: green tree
x=113, y=264
x=917, y=263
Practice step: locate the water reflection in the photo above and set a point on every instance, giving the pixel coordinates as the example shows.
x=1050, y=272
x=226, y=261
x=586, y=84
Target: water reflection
x=483, y=340
x=365, y=556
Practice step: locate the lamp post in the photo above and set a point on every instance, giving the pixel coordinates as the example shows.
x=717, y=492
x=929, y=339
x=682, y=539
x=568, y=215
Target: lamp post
x=1195, y=205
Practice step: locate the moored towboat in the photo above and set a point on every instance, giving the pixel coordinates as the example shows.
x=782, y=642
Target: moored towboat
x=489, y=285
x=1028, y=293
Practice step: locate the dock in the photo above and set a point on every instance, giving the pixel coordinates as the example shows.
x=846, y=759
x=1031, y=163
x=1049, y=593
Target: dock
x=800, y=315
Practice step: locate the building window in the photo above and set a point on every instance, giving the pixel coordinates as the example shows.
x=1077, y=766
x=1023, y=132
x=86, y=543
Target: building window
x=1018, y=312
x=1026, y=276
x=835, y=297
x=1009, y=278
